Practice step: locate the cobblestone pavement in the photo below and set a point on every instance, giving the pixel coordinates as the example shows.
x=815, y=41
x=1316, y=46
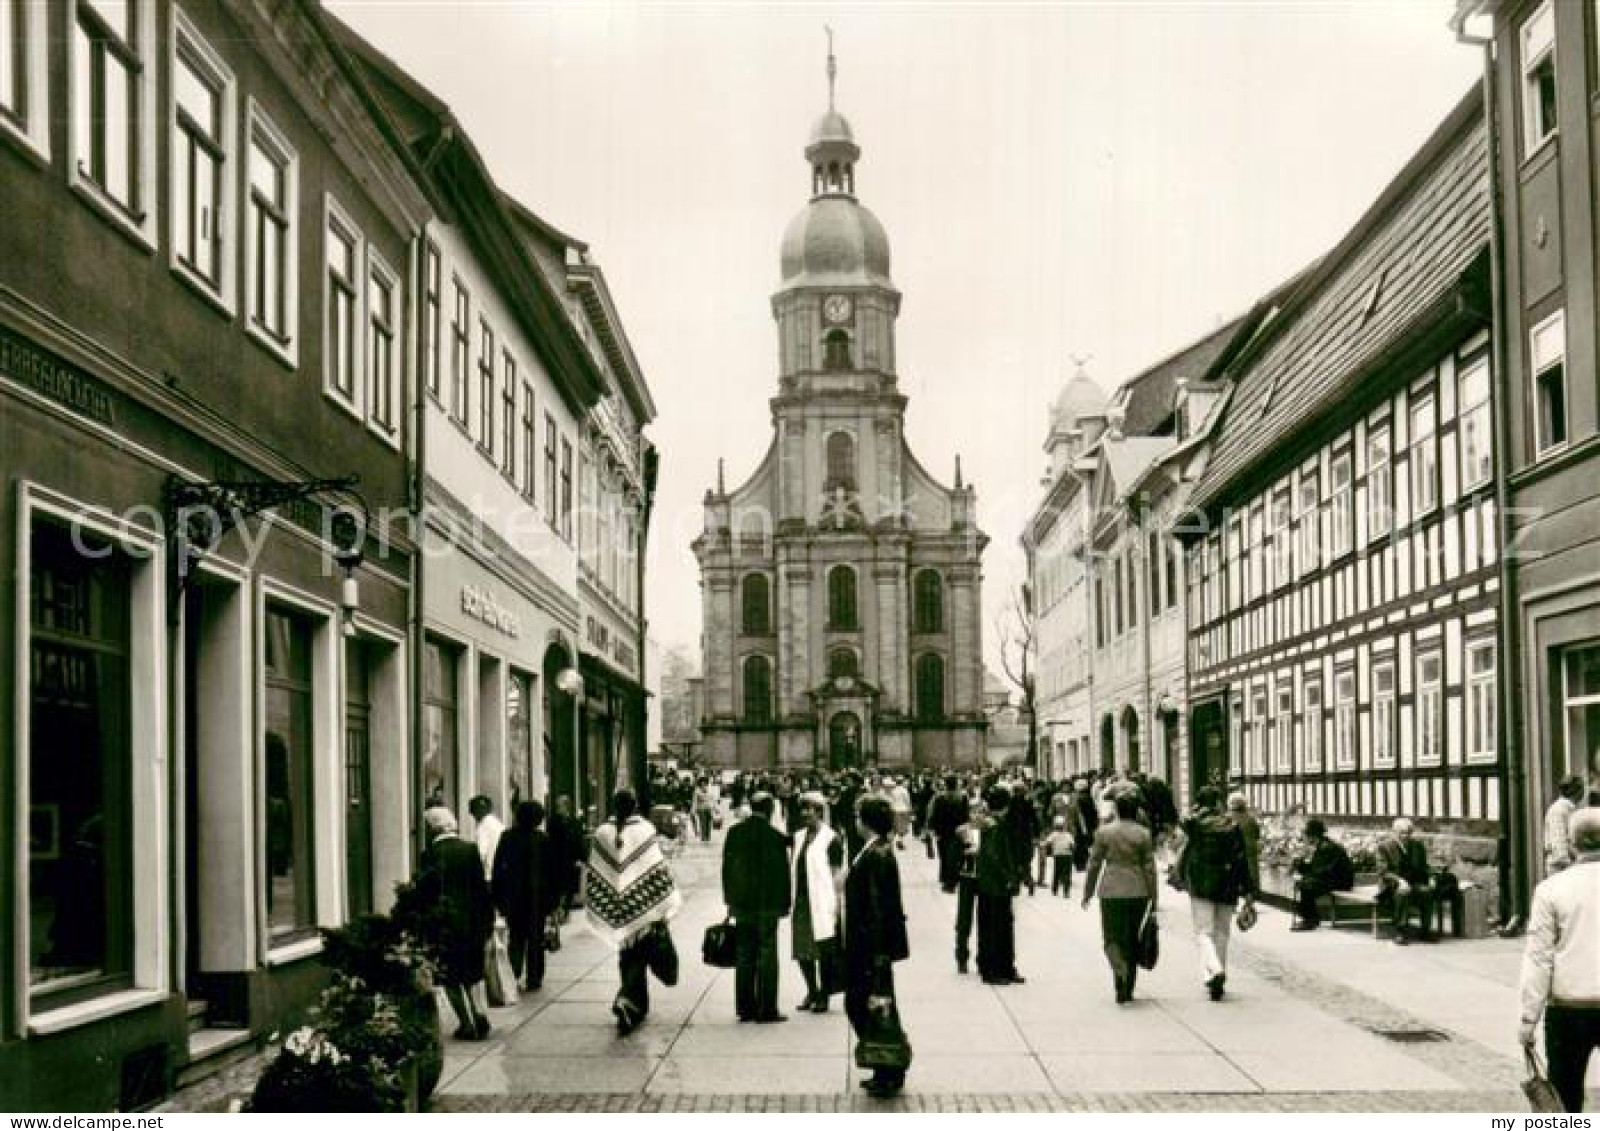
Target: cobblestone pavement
x=1292, y=1035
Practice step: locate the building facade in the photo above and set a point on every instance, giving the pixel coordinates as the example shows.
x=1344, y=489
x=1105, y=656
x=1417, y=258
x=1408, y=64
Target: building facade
x=203, y=302
x=1343, y=556
x=841, y=582
x=1542, y=67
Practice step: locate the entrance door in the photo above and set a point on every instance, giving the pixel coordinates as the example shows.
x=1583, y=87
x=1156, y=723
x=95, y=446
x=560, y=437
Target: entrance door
x=357, y=782
x=844, y=741
x=1208, y=735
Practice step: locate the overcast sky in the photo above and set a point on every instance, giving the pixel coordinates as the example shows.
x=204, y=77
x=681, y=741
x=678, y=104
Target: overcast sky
x=1105, y=179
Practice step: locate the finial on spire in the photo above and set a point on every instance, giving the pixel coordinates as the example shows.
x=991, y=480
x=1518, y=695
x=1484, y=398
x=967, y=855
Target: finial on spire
x=833, y=68
x=1079, y=360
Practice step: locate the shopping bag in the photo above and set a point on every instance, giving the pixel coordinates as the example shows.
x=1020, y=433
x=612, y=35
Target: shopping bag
x=882, y=1044
x=499, y=982
x=1149, y=941
x=661, y=955
x=720, y=948
x=1246, y=918
x=1542, y=1095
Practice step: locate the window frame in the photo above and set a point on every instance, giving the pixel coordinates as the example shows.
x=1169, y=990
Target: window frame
x=1380, y=481
x=138, y=216
x=1311, y=712
x=460, y=351
x=843, y=615
x=1308, y=520
x=1471, y=411
x=1346, y=735
x=1481, y=748
x=487, y=383
x=1283, y=723
x=756, y=661
x=1536, y=371
x=530, y=443
x=1385, y=713
x=262, y=132
x=1536, y=134
x=1422, y=453
x=509, y=381
x=189, y=48
x=28, y=123
x=429, y=342
x=550, y=475
x=336, y=219
x=755, y=625
x=927, y=710
x=1430, y=754
x=379, y=271
x=566, y=504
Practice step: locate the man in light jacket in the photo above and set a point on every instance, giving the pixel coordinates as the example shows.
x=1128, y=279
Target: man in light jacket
x=1561, y=965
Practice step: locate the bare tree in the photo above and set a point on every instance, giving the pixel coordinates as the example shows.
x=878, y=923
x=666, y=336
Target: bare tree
x=1016, y=630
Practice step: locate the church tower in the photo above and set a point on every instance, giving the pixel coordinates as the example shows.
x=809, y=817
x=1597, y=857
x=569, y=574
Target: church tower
x=840, y=583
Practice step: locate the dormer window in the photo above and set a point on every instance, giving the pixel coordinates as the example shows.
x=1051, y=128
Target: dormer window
x=836, y=350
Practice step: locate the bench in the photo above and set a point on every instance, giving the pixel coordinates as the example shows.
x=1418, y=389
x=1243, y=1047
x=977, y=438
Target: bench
x=1362, y=899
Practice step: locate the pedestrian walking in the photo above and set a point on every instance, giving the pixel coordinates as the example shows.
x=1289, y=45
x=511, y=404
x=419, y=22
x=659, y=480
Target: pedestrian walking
x=1086, y=822
x=755, y=886
x=524, y=885
x=1561, y=963
x=1060, y=843
x=451, y=879
x=628, y=890
x=705, y=808
x=1558, y=850
x=900, y=805
x=814, y=920
x=1122, y=874
x=970, y=836
x=875, y=939
x=568, y=848
x=998, y=879
x=1217, y=876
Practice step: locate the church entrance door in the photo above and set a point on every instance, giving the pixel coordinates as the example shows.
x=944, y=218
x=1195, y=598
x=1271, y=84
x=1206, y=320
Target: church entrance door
x=844, y=741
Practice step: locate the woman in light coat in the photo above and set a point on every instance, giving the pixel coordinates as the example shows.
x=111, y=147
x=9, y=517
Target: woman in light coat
x=1122, y=872
x=818, y=863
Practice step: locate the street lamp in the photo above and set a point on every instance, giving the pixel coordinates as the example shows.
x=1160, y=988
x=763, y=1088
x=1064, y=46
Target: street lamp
x=570, y=682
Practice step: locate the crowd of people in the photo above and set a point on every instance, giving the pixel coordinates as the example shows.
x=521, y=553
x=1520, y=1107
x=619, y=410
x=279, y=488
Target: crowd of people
x=821, y=850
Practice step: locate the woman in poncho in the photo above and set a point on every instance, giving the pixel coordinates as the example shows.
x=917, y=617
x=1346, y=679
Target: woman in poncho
x=627, y=891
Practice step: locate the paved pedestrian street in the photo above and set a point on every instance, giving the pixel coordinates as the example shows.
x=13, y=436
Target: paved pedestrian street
x=1325, y=1021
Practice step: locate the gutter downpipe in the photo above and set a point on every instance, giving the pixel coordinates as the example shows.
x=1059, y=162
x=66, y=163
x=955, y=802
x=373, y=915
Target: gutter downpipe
x=1515, y=871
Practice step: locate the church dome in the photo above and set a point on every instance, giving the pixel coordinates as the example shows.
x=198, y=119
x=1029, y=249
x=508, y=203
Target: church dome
x=832, y=127
x=835, y=241
x=1080, y=396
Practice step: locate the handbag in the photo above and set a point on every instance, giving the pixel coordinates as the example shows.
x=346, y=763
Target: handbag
x=661, y=955
x=499, y=982
x=720, y=948
x=883, y=1044
x=1542, y=1095
x=1246, y=917
x=1149, y=941
x=552, y=936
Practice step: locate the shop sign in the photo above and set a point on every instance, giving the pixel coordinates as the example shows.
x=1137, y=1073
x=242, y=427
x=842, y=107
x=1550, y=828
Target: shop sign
x=603, y=642
x=24, y=362
x=481, y=606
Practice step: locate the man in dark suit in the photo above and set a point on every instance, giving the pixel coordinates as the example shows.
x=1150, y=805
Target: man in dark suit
x=997, y=880
x=1325, y=868
x=948, y=812
x=1407, y=880
x=755, y=886
x=874, y=940
x=524, y=886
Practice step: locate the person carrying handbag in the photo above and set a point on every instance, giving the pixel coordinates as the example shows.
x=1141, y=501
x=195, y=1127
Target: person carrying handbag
x=1216, y=873
x=1122, y=873
x=875, y=939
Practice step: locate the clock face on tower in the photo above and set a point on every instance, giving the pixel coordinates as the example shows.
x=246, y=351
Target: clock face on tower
x=836, y=309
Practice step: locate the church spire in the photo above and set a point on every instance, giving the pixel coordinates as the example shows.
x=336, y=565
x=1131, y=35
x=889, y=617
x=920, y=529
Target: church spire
x=832, y=151
x=833, y=68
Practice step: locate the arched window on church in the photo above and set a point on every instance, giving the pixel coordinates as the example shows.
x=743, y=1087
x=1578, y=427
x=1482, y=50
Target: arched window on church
x=927, y=602
x=755, y=600
x=841, y=462
x=836, y=350
x=930, y=687
x=842, y=599
x=757, y=673
x=842, y=664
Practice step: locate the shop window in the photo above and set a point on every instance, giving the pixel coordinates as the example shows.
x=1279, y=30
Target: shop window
x=1580, y=689
x=756, y=605
x=440, y=711
x=1549, y=355
x=928, y=601
x=757, y=672
x=842, y=599
x=290, y=774
x=930, y=687
x=519, y=739
x=80, y=789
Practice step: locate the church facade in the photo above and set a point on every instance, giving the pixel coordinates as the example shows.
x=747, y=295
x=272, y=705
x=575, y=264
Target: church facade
x=841, y=582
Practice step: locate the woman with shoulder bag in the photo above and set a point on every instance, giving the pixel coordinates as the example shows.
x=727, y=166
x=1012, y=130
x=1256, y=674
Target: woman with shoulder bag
x=875, y=939
x=1122, y=872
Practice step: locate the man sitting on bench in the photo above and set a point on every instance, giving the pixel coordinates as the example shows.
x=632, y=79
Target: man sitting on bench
x=1324, y=869
x=1407, y=881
